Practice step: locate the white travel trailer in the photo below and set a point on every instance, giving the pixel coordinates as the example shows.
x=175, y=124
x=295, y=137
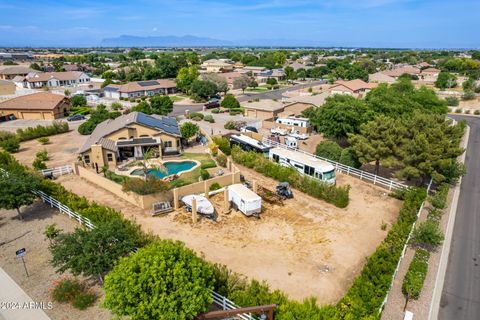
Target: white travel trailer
x=304, y=164
x=244, y=199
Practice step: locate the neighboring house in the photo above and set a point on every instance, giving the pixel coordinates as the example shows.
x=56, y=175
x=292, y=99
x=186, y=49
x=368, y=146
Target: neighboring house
x=380, y=77
x=139, y=89
x=15, y=56
x=276, y=74
x=11, y=72
x=35, y=80
x=296, y=65
x=263, y=109
x=423, y=65
x=129, y=137
x=429, y=74
x=7, y=87
x=217, y=65
x=303, y=102
x=37, y=106
x=397, y=72
x=357, y=88
x=230, y=77
x=254, y=71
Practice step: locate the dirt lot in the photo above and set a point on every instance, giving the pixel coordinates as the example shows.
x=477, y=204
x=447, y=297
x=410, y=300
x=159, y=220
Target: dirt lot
x=28, y=234
x=62, y=149
x=306, y=247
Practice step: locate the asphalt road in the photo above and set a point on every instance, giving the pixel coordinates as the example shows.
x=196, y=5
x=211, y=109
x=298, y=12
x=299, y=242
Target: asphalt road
x=461, y=292
x=179, y=109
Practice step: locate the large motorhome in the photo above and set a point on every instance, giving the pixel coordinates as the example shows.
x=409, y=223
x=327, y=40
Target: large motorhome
x=249, y=144
x=304, y=164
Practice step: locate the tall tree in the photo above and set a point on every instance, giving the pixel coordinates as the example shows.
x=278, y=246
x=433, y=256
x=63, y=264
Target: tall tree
x=446, y=80
x=339, y=116
x=241, y=82
x=203, y=90
x=161, y=105
x=220, y=82
x=17, y=189
x=377, y=141
x=185, y=77
x=92, y=253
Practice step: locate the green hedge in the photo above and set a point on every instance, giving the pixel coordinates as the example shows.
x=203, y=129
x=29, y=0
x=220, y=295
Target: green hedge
x=337, y=196
x=415, y=276
x=42, y=131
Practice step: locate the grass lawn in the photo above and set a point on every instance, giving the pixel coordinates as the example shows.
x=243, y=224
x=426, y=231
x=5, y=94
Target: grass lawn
x=177, y=98
x=257, y=89
x=193, y=176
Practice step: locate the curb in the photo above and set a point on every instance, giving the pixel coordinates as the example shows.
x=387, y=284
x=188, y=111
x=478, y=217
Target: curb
x=442, y=268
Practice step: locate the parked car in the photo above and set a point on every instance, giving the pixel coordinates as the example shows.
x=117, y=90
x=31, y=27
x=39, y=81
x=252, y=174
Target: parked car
x=76, y=117
x=249, y=128
x=212, y=103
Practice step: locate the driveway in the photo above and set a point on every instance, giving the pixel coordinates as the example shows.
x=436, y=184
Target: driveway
x=461, y=290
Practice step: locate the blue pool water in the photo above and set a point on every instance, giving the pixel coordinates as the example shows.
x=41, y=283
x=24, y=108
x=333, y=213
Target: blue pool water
x=172, y=168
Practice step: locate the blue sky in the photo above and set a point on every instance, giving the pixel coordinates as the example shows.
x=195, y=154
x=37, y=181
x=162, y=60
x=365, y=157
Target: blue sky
x=369, y=23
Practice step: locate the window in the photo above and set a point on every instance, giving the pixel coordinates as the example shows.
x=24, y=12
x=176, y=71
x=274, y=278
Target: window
x=178, y=142
x=167, y=144
x=86, y=158
x=109, y=157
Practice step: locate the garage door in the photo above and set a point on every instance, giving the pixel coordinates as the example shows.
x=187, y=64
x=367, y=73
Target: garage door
x=32, y=115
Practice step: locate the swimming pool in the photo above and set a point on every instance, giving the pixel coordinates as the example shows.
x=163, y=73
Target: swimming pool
x=173, y=167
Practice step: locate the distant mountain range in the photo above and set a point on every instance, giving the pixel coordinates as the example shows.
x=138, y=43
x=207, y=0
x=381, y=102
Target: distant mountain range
x=193, y=41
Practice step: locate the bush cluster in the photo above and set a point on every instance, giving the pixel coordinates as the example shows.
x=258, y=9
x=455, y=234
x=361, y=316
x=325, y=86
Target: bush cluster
x=439, y=200
x=223, y=144
x=215, y=186
x=209, y=118
x=74, y=292
x=42, y=131
x=195, y=116
x=415, y=276
x=9, y=141
x=40, y=158
x=316, y=188
x=143, y=187
x=204, y=174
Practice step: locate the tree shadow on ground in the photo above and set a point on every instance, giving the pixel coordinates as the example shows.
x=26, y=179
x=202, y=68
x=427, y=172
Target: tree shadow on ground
x=37, y=211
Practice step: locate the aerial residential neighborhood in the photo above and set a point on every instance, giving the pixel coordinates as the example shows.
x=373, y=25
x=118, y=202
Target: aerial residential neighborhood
x=250, y=160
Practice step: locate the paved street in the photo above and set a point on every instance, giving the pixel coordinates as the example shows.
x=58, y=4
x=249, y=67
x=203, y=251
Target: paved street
x=461, y=291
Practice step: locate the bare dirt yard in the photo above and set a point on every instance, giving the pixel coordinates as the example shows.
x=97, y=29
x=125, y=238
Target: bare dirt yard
x=62, y=149
x=305, y=247
x=28, y=234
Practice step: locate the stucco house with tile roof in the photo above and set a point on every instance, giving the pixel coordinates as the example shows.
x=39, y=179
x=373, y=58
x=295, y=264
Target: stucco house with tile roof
x=133, y=90
x=35, y=80
x=129, y=137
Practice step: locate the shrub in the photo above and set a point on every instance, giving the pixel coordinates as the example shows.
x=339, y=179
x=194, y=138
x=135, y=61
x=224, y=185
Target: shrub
x=120, y=179
x=230, y=125
x=458, y=110
x=206, y=164
x=349, y=158
x=214, y=186
x=73, y=292
x=452, y=101
x=116, y=106
x=427, y=235
x=51, y=231
x=439, y=200
x=476, y=112
x=204, y=174
x=223, y=144
x=468, y=95
x=164, y=280
x=416, y=274
x=42, y=131
x=230, y=102
x=43, y=140
x=215, y=110
x=196, y=119
x=39, y=164
x=209, y=118
x=42, y=155
x=467, y=111
x=10, y=144
x=329, y=149
x=143, y=187
x=193, y=115
x=222, y=160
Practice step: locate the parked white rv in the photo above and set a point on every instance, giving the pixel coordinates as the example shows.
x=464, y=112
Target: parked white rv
x=292, y=121
x=291, y=142
x=297, y=135
x=304, y=164
x=244, y=199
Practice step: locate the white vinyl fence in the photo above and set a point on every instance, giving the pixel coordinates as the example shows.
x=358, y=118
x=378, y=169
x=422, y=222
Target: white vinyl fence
x=362, y=175
x=58, y=171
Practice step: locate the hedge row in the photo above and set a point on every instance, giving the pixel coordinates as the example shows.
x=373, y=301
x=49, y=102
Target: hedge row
x=42, y=131
x=337, y=196
x=415, y=276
